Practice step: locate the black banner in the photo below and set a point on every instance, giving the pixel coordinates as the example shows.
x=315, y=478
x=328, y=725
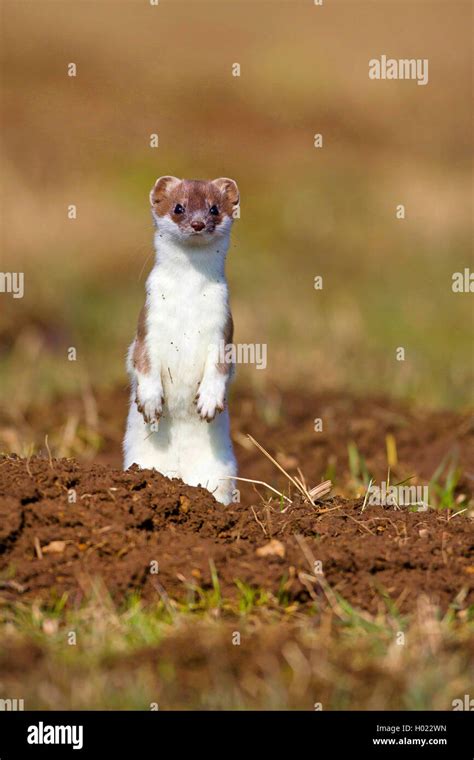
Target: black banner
x=220, y=734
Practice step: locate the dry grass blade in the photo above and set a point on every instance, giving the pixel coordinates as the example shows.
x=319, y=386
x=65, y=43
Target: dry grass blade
x=366, y=496
x=317, y=492
x=13, y=585
x=259, y=483
x=46, y=443
x=296, y=483
x=69, y=436
x=309, y=579
x=259, y=522
x=37, y=546
x=365, y=527
x=457, y=513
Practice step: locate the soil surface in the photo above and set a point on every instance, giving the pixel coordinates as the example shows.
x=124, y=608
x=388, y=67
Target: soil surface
x=284, y=423
x=64, y=523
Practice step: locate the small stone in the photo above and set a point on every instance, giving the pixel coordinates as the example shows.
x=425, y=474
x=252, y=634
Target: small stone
x=55, y=547
x=273, y=549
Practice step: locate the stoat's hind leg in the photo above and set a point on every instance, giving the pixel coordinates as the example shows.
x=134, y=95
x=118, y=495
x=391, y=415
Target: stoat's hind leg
x=149, y=446
x=206, y=456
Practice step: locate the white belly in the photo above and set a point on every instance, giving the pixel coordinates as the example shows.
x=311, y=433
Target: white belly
x=184, y=323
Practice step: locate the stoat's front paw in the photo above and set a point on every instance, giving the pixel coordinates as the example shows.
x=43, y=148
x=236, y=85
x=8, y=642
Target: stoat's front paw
x=210, y=399
x=149, y=401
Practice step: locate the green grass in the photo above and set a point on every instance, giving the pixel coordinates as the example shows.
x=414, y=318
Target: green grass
x=184, y=656
x=443, y=485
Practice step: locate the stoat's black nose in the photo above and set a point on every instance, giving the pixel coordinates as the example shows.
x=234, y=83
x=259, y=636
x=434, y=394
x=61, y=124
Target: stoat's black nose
x=197, y=225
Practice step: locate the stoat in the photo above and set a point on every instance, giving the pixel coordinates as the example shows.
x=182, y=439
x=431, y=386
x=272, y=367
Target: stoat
x=178, y=422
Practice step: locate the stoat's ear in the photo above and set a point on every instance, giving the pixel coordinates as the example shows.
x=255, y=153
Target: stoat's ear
x=162, y=188
x=229, y=190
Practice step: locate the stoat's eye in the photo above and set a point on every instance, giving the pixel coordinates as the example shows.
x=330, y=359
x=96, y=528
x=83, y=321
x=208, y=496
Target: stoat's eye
x=214, y=210
x=179, y=209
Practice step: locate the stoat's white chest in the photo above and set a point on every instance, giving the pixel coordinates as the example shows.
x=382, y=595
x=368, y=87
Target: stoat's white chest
x=186, y=311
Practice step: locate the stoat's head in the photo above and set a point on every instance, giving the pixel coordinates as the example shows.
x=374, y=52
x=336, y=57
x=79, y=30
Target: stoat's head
x=192, y=211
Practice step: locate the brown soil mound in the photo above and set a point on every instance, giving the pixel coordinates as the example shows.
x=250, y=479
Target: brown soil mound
x=121, y=523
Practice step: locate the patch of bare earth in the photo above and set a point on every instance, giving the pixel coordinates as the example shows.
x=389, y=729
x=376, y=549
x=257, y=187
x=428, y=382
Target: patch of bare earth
x=121, y=523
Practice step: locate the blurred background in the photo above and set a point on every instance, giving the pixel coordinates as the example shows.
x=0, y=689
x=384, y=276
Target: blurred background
x=167, y=69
